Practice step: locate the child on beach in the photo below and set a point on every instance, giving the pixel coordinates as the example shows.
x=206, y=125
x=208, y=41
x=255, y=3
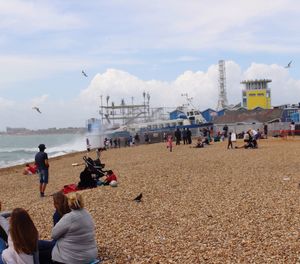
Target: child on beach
x=170, y=142
x=110, y=179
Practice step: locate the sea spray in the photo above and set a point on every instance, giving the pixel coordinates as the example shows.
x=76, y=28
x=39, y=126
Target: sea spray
x=19, y=149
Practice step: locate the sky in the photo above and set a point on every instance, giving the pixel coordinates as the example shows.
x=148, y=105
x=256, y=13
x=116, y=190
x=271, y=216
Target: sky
x=164, y=47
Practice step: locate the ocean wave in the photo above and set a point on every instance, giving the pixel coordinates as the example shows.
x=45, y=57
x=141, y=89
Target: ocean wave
x=18, y=149
x=16, y=155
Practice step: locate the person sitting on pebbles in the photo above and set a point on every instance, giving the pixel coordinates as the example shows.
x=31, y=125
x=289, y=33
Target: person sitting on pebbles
x=200, y=143
x=110, y=179
x=30, y=169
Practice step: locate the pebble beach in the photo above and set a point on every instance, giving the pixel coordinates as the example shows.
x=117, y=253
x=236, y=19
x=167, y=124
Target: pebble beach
x=209, y=205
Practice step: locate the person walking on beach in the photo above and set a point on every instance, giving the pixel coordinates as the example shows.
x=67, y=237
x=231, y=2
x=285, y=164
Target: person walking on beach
x=41, y=160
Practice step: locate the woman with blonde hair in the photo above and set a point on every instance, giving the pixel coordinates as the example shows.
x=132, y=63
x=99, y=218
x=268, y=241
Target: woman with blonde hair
x=75, y=235
x=22, y=240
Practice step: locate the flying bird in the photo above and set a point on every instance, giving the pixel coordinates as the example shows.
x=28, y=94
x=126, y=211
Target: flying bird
x=289, y=65
x=84, y=74
x=37, y=109
x=138, y=198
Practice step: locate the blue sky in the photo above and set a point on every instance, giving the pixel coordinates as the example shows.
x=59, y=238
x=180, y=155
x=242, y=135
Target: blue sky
x=164, y=47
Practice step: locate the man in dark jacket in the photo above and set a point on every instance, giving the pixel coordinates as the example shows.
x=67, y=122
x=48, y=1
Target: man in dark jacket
x=178, y=136
x=189, y=136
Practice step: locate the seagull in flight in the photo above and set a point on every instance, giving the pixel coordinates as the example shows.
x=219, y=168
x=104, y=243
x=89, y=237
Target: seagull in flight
x=289, y=65
x=37, y=109
x=84, y=74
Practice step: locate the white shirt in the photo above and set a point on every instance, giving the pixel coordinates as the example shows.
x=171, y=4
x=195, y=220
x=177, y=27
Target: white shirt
x=10, y=256
x=254, y=132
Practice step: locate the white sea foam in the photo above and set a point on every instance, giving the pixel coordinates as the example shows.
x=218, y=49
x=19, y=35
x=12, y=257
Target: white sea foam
x=12, y=154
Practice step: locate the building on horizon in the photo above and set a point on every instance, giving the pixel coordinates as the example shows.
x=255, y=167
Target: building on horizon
x=256, y=93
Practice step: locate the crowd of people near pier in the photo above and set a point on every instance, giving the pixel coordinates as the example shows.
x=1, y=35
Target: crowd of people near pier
x=207, y=136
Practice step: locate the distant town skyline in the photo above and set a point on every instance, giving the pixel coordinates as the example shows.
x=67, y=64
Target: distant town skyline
x=165, y=48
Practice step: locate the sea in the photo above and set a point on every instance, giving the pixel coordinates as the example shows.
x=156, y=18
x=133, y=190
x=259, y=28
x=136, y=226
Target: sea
x=20, y=149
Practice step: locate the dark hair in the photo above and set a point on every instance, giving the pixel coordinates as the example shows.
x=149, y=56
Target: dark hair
x=61, y=203
x=23, y=232
x=42, y=147
x=109, y=172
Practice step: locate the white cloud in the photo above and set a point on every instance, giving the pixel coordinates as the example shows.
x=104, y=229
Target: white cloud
x=195, y=25
x=22, y=68
x=284, y=89
x=31, y=16
x=202, y=86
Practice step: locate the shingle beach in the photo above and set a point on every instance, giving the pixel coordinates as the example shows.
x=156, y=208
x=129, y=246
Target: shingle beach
x=209, y=205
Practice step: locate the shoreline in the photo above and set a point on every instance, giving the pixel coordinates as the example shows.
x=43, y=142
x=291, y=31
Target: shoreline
x=209, y=205
x=32, y=161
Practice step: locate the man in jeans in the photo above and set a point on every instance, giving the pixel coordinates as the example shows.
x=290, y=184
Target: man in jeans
x=41, y=160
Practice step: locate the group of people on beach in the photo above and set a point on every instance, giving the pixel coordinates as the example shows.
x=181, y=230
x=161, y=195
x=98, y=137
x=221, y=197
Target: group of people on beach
x=41, y=167
x=94, y=174
x=250, y=139
x=185, y=135
x=73, y=235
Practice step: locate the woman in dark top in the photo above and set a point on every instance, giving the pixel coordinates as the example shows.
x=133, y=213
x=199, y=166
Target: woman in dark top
x=61, y=205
